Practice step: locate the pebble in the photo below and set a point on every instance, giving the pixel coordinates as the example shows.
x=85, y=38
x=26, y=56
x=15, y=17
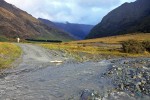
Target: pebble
x=131, y=77
x=11, y=88
x=90, y=95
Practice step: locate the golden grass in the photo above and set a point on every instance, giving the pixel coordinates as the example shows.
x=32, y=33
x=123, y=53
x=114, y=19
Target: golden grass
x=71, y=49
x=117, y=39
x=75, y=48
x=8, y=53
x=108, y=46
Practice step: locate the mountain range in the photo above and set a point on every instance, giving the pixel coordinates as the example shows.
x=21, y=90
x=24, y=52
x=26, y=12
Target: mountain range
x=78, y=31
x=128, y=18
x=131, y=17
x=18, y=23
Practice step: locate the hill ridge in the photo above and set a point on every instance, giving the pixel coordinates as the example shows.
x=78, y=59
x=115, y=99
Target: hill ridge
x=128, y=18
x=78, y=31
x=15, y=22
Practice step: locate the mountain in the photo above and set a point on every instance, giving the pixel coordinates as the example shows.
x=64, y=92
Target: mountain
x=131, y=17
x=78, y=31
x=17, y=23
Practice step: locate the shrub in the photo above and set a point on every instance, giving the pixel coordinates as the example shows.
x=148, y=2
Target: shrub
x=146, y=45
x=132, y=46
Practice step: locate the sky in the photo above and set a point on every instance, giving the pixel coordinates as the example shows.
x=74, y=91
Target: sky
x=73, y=11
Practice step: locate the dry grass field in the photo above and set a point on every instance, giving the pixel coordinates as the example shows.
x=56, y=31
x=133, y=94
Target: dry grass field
x=118, y=39
x=101, y=46
x=8, y=53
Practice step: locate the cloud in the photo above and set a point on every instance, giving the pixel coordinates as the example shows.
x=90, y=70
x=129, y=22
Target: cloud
x=98, y=3
x=75, y=11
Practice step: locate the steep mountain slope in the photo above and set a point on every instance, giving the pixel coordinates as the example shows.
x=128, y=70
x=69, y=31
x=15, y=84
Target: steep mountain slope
x=17, y=23
x=128, y=18
x=78, y=31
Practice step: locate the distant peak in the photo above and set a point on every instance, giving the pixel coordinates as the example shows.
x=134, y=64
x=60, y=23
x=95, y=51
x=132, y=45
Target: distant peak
x=67, y=22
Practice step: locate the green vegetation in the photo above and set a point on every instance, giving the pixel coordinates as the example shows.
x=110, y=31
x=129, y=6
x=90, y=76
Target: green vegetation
x=8, y=53
x=3, y=39
x=146, y=45
x=134, y=46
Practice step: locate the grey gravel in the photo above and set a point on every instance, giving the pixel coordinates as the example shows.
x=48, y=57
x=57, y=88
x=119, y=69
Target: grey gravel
x=36, y=78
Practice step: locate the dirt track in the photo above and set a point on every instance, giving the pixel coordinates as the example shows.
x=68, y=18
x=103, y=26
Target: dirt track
x=36, y=78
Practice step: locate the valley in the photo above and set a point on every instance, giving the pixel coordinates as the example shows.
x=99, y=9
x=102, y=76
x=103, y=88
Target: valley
x=78, y=31
x=64, y=55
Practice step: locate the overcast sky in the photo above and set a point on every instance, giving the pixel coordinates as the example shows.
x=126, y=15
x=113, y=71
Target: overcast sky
x=74, y=11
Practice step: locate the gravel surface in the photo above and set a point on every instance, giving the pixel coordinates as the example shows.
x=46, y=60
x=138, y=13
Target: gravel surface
x=131, y=76
x=40, y=77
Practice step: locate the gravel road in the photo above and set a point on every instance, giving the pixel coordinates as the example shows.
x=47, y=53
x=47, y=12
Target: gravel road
x=38, y=77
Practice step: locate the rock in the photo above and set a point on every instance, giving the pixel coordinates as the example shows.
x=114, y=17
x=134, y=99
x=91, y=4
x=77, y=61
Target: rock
x=90, y=95
x=131, y=77
x=56, y=61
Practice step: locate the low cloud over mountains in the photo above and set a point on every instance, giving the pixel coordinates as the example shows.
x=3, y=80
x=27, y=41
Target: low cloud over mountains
x=75, y=11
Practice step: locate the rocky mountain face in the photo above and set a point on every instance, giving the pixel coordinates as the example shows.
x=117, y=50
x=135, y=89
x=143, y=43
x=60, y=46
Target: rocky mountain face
x=127, y=18
x=17, y=23
x=78, y=31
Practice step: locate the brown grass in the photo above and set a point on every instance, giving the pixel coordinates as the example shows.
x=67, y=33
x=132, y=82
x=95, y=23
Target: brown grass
x=29, y=17
x=6, y=13
x=76, y=49
x=118, y=39
x=108, y=46
x=8, y=53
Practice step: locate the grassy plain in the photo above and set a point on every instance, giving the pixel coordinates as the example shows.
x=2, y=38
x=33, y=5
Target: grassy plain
x=108, y=46
x=8, y=53
x=118, y=39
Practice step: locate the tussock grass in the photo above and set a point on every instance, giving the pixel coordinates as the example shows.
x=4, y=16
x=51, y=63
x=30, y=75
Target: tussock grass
x=76, y=49
x=8, y=53
x=72, y=48
x=134, y=46
x=118, y=39
x=106, y=47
